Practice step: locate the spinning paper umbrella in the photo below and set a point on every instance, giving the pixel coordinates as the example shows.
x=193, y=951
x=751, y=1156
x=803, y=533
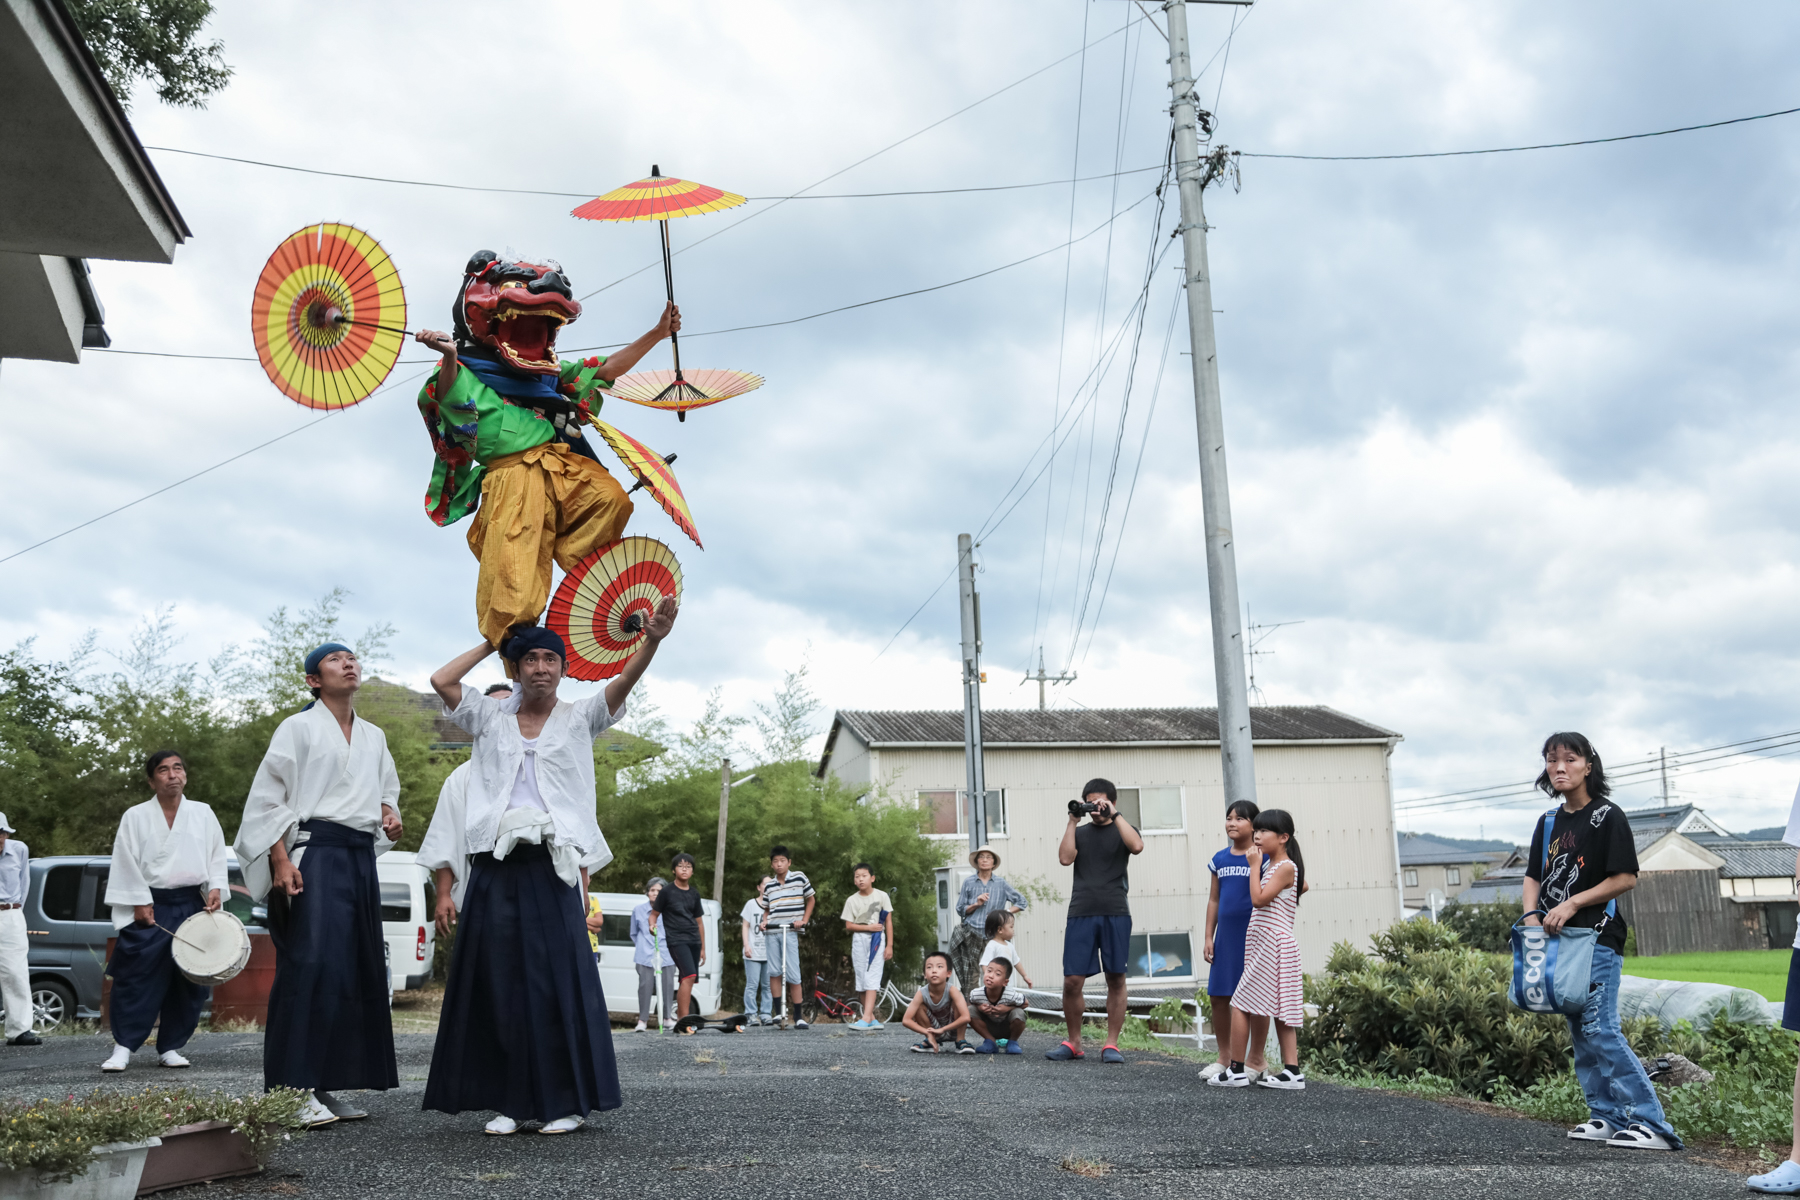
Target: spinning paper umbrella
x=657, y=389
x=328, y=316
x=603, y=606
x=652, y=471
x=660, y=198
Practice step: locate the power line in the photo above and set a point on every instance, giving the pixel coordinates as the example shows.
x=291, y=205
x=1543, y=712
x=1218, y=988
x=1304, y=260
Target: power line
x=1624, y=137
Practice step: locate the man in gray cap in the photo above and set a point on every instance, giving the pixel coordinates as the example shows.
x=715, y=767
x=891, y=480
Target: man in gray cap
x=15, y=964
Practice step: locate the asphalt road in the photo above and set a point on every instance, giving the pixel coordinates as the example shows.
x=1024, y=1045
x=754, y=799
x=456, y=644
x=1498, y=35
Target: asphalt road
x=825, y=1113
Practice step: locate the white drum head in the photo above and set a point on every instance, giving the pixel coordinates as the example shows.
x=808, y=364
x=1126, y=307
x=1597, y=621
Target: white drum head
x=211, y=947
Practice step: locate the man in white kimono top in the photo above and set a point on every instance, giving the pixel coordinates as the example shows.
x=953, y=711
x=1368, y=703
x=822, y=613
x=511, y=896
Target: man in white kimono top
x=323, y=806
x=168, y=863
x=524, y=1027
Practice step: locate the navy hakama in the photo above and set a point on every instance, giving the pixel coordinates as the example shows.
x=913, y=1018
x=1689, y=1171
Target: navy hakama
x=524, y=1029
x=329, y=1023
x=146, y=982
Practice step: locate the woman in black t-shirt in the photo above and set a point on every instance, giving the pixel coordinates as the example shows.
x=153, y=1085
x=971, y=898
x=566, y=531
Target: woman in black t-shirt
x=684, y=929
x=1583, y=859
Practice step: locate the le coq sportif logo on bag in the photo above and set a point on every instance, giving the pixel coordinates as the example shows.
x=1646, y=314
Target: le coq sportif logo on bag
x=1533, y=962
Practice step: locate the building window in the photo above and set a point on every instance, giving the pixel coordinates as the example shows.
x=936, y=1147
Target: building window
x=1160, y=956
x=1453, y=876
x=1412, y=879
x=1152, y=809
x=949, y=811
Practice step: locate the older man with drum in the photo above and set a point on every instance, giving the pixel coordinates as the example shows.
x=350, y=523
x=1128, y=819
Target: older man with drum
x=168, y=863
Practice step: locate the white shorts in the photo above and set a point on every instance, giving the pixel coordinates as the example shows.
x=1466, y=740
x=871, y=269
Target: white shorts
x=868, y=966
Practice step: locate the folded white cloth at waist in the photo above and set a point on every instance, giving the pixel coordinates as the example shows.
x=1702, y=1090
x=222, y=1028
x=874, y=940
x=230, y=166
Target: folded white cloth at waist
x=533, y=825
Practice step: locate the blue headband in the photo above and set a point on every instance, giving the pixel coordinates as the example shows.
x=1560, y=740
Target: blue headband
x=318, y=656
x=533, y=637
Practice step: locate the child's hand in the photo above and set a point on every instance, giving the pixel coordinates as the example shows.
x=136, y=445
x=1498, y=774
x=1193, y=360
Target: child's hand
x=1209, y=950
x=888, y=952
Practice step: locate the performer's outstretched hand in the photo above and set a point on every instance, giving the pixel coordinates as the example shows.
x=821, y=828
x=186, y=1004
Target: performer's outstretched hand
x=441, y=342
x=671, y=321
x=663, y=620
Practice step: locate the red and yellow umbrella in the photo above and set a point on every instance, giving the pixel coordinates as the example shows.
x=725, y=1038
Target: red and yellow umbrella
x=329, y=316
x=603, y=606
x=662, y=198
x=651, y=471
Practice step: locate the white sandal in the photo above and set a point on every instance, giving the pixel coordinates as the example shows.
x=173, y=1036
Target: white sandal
x=1594, y=1130
x=1639, y=1137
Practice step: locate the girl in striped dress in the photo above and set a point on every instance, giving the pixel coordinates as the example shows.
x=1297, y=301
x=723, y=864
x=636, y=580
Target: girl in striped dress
x=1270, y=986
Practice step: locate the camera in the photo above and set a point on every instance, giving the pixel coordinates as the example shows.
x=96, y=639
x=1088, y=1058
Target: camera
x=1079, y=807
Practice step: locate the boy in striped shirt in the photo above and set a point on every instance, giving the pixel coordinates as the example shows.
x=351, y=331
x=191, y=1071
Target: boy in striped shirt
x=789, y=899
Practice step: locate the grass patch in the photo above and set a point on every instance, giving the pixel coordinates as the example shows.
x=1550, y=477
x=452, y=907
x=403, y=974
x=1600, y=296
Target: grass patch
x=1087, y=1168
x=1761, y=971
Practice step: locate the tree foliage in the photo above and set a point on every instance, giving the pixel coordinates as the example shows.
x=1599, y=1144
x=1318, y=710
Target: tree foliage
x=155, y=41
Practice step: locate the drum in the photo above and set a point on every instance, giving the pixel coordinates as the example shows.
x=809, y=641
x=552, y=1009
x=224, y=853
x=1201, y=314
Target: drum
x=211, y=947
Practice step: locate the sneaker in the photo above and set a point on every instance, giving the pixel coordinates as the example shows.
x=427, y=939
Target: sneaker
x=1063, y=1053
x=922, y=1047
x=987, y=1047
x=1782, y=1181
x=121, y=1058
x=640, y=1027
x=1230, y=1078
x=1593, y=1130
x=316, y=1114
x=963, y=1047
x=1013, y=1047
x=562, y=1125
x=501, y=1126
x=862, y=1026
x=1285, y=1080
x=1639, y=1137
x=798, y=1024
x=872, y=1023
x=172, y=1058
x=1110, y=1054
x=342, y=1110
x=27, y=1038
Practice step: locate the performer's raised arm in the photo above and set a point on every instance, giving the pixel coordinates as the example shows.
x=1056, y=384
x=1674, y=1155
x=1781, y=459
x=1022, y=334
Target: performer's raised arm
x=621, y=361
x=661, y=623
x=446, y=681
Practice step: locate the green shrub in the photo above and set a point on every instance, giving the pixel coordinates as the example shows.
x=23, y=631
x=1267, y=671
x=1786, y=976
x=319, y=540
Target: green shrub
x=1483, y=926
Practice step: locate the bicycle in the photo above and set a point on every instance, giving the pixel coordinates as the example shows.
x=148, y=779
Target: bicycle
x=891, y=1003
x=822, y=1002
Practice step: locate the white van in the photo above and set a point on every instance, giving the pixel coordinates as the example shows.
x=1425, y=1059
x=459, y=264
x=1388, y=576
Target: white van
x=408, y=896
x=618, y=975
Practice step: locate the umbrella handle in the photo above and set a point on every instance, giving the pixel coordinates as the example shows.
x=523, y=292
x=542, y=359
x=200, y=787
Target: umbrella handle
x=669, y=283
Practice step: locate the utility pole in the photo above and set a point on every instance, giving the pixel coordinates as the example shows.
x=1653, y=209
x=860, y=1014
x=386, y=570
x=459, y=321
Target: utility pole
x=719, y=850
x=971, y=666
x=1662, y=758
x=1043, y=678
x=1192, y=174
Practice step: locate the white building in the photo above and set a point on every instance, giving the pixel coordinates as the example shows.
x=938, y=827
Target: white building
x=1329, y=770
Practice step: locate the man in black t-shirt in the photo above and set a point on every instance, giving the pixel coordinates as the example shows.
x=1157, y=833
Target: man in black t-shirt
x=1097, y=936
x=684, y=929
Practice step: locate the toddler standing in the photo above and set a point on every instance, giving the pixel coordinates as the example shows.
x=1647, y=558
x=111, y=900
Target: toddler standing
x=1000, y=945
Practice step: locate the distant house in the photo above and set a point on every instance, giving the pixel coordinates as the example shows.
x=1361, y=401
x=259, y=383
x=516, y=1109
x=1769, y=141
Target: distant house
x=75, y=184
x=1428, y=865
x=1329, y=770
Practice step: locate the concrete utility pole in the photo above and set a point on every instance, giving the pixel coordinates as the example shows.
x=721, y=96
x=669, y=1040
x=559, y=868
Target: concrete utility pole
x=1043, y=677
x=971, y=663
x=1192, y=174
x=719, y=850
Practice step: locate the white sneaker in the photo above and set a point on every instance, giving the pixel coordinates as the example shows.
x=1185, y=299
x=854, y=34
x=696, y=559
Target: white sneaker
x=563, y=1125
x=170, y=1058
x=501, y=1126
x=1593, y=1130
x=640, y=1028
x=316, y=1114
x=344, y=1110
x=121, y=1058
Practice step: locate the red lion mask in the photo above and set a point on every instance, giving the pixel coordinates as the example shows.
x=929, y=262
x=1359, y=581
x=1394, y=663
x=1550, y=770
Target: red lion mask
x=514, y=309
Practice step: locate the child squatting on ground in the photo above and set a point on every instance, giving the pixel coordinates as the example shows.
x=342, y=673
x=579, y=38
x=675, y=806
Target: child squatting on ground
x=938, y=1011
x=1271, y=983
x=997, y=1009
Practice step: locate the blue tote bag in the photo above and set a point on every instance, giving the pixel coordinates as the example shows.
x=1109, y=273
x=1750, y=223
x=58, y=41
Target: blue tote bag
x=1551, y=972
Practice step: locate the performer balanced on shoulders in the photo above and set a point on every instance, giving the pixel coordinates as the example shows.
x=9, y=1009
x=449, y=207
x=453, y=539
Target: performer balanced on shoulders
x=323, y=806
x=524, y=1030
x=168, y=863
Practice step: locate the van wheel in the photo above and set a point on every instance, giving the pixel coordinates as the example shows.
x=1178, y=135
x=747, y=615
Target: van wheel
x=52, y=1004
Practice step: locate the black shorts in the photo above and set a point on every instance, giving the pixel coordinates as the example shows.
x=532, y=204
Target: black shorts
x=687, y=958
x=1790, y=1007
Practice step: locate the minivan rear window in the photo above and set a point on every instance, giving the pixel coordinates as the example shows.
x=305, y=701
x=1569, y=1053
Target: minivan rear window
x=62, y=888
x=396, y=902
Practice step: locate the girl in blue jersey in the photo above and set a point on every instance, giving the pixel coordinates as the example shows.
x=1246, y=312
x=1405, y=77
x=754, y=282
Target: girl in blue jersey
x=1228, y=911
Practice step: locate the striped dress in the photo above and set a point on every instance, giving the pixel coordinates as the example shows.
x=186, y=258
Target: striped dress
x=1270, y=986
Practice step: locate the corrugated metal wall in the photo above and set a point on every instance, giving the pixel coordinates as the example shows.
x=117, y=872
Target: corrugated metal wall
x=1338, y=794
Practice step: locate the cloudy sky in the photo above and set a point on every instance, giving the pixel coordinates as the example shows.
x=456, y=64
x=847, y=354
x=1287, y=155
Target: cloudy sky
x=1511, y=435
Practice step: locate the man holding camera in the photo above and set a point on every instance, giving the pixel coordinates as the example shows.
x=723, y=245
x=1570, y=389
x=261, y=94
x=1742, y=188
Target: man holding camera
x=1098, y=935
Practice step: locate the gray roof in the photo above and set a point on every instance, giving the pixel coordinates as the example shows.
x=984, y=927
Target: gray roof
x=1416, y=851
x=1102, y=726
x=1658, y=820
x=1754, y=860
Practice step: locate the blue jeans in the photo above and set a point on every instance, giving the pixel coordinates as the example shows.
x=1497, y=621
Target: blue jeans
x=756, y=988
x=1612, y=1079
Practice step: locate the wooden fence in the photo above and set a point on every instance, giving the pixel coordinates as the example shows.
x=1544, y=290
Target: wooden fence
x=1676, y=912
